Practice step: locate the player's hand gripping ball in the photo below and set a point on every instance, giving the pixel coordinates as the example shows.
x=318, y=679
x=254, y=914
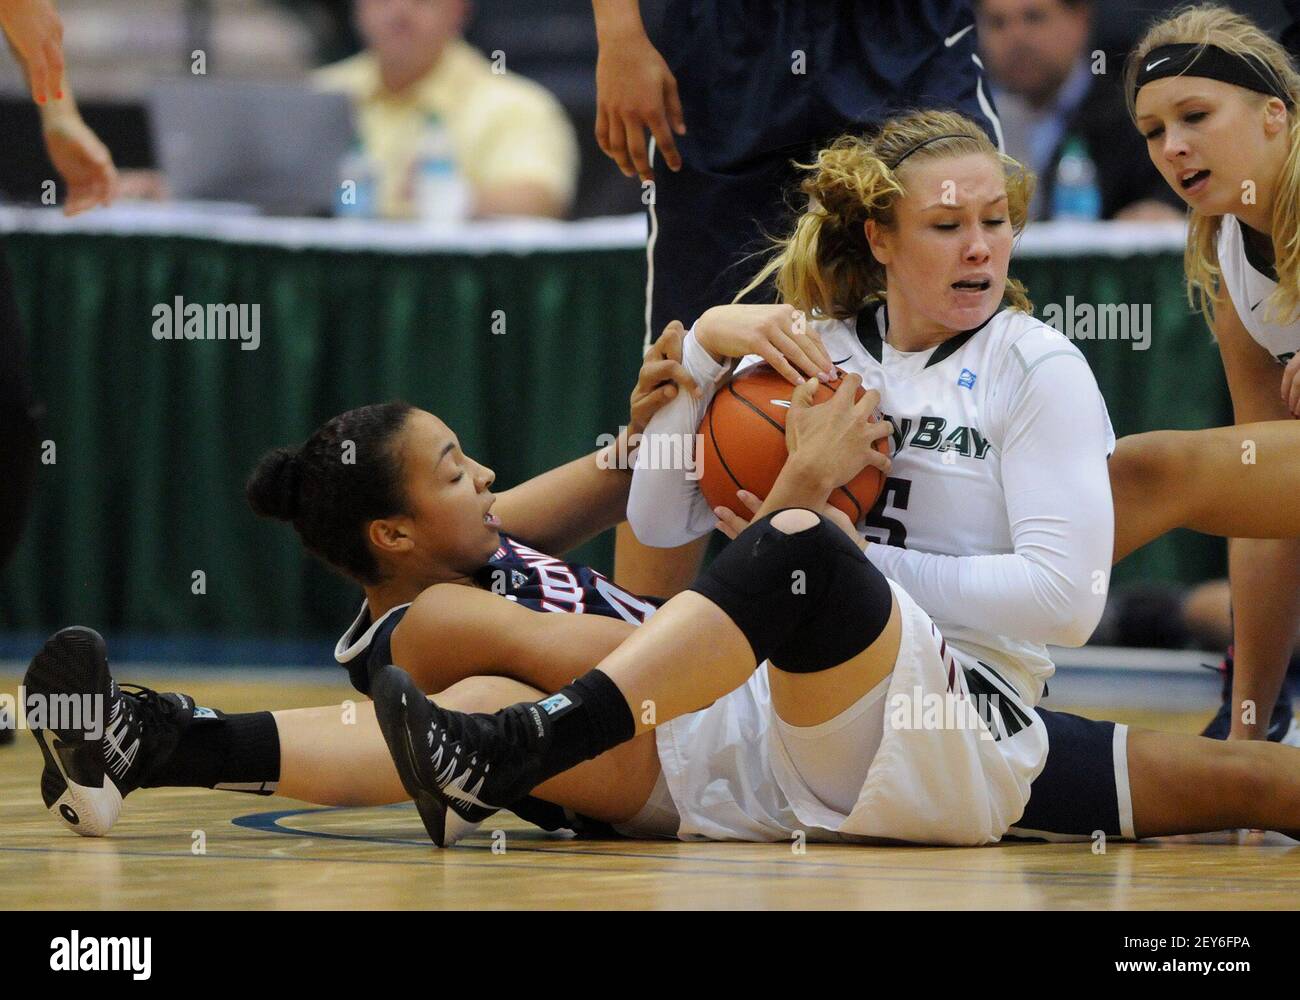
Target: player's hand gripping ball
x=744, y=444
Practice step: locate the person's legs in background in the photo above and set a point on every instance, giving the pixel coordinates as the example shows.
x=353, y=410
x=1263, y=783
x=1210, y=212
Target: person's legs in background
x=703, y=226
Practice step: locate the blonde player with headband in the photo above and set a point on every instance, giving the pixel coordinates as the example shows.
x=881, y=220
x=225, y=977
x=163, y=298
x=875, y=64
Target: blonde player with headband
x=1216, y=99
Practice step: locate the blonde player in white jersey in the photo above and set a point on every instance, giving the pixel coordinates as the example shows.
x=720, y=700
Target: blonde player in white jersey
x=996, y=515
x=1216, y=99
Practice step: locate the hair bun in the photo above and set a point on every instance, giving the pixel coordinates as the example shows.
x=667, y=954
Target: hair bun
x=272, y=489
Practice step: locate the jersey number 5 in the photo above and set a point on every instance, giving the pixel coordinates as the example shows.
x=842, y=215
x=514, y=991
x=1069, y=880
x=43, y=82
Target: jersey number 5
x=889, y=530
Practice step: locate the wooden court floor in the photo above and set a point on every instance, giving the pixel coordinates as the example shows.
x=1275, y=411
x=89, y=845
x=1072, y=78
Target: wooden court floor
x=275, y=853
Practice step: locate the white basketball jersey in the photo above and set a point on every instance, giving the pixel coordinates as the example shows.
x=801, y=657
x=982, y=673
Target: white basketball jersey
x=948, y=406
x=1251, y=281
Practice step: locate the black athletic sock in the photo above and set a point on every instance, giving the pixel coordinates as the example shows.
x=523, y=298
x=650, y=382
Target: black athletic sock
x=546, y=815
x=584, y=719
x=238, y=753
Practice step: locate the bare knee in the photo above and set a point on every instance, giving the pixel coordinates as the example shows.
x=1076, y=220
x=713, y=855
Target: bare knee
x=794, y=519
x=1246, y=775
x=1147, y=463
x=1190, y=784
x=485, y=694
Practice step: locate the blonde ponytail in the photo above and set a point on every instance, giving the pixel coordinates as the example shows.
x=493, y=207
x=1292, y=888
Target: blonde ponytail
x=825, y=266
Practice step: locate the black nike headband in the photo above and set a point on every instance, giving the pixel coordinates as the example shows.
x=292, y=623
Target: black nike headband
x=1214, y=63
x=925, y=142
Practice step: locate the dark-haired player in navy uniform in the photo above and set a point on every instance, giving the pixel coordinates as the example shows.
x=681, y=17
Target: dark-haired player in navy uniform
x=730, y=92
x=518, y=572
x=411, y=498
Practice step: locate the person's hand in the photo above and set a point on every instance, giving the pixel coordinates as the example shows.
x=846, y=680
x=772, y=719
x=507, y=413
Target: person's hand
x=36, y=33
x=1291, y=385
x=636, y=90
x=82, y=161
x=661, y=378
x=835, y=440
x=732, y=524
x=779, y=334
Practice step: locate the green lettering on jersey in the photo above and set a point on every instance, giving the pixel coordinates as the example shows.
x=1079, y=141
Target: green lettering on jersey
x=958, y=441
x=965, y=441
x=901, y=427
x=929, y=432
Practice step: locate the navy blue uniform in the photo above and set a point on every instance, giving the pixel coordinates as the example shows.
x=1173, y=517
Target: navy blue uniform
x=517, y=572
x=764, y=82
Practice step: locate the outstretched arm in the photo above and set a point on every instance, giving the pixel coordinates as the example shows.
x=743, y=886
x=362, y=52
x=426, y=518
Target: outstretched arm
x=83, y=162
x=35, y=33
x=560, y=509
x=452, y=632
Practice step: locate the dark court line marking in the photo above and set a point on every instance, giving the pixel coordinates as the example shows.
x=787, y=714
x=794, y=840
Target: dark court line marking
x=269, y=822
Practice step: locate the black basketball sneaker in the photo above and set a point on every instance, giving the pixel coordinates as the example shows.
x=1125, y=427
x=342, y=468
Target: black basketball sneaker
x=99, y=742
x=459, y=768
x=1282, y=727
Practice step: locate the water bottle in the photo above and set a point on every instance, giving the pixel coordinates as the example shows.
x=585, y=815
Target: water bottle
x=358, y=185
x=1075, y=194
x=441, y=194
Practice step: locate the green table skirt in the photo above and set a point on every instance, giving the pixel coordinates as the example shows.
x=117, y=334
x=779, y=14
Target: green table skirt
x=528, y=357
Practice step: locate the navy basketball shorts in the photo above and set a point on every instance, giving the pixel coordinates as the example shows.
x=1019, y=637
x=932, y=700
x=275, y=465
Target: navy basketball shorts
x=763, y=84
x=1083, y=788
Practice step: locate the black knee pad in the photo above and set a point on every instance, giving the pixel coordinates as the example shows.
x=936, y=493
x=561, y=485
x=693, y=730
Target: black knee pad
x=806, y=601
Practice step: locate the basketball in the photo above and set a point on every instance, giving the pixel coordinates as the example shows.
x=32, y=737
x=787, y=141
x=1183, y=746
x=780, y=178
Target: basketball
x=744, y=444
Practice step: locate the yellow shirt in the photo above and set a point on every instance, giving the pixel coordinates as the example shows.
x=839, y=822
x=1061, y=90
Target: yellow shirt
x=504, y=128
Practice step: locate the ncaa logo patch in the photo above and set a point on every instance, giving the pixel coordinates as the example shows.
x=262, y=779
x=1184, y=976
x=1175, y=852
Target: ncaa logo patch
x=966, y=379
x=554, y=703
